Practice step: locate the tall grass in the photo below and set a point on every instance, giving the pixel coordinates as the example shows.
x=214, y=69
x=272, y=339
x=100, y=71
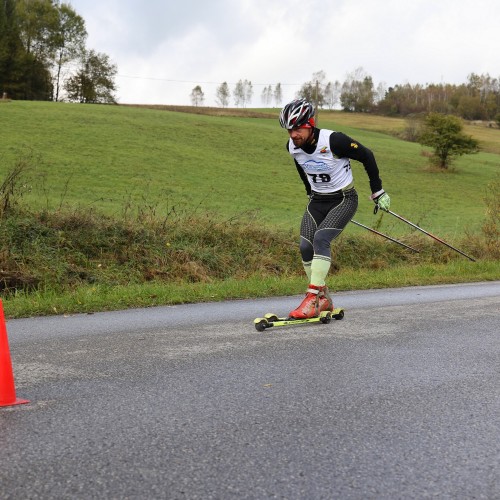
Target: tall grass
x=77, y=260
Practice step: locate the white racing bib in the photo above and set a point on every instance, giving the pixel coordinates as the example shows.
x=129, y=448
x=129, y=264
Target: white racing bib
x=325, y=172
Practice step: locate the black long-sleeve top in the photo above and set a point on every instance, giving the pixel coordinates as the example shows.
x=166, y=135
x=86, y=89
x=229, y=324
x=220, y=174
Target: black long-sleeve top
x=343, y=146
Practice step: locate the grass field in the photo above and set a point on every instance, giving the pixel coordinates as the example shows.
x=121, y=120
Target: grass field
x=181, y=190
x=114, y=157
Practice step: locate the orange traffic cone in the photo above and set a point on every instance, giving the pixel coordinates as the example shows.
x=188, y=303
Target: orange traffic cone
x=7, y=389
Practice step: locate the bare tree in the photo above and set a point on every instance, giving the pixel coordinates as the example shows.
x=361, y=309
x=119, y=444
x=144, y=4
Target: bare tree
x=267, y=95
x=248, y=91
x=243, y=93
x=332, y=94
x=380, y=92
x=278, y=94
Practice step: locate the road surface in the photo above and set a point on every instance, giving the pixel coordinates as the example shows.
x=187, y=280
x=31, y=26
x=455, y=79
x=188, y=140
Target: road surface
x=400, y=399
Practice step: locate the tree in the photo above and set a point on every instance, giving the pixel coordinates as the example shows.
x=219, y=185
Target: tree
x=332, y=94
x=197, y=96
x=470, y=108
x=243, y=92
x=380, y=92
x=278, y=94
x=69, y=41
x=37, y=20
x=444, y=134
x=247, y=84
x=357, y=92
x=11, y=50
x=94, y=82
x=314, y=90
x=267, y=95
x=222, y=95
x=239, y=93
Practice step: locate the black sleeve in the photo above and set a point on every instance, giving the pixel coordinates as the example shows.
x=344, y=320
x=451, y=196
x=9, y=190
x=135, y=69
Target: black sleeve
x=344, y=146
x=301, y=172
x=303, y=176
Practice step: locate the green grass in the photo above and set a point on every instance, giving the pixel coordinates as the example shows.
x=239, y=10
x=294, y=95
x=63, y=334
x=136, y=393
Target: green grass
x=111, y=156
x=91, y=298
x=130, y=207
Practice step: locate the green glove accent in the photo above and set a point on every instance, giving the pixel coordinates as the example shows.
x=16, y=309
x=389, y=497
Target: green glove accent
x=383, y=202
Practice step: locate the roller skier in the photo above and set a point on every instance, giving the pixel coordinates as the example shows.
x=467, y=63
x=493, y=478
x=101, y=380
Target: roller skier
x=323, y=161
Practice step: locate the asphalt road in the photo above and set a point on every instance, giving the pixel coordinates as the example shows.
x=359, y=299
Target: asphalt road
x=401, y=399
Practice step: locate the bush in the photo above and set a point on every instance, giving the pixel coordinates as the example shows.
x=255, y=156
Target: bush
x=444, y=134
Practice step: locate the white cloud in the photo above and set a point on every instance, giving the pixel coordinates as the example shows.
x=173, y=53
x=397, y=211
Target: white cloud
x=169, y=47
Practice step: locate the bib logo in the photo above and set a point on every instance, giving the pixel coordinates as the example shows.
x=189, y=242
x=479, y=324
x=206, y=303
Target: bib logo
x=314, y=166
x=323, y=150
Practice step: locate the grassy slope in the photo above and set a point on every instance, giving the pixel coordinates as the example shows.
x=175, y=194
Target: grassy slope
x=119, y=158
x=108, y=156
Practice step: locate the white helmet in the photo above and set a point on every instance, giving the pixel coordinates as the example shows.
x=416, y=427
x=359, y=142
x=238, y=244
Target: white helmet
x=298, y=113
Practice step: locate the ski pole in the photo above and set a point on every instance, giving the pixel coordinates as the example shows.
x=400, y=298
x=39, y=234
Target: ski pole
x=431, y=235
x=385, y=236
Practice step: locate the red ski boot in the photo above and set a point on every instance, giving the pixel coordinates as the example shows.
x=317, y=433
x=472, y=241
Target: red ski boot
x=315, y=301
x=325, y=301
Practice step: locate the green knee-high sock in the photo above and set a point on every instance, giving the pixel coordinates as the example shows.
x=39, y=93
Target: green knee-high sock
x=319, y=269
x=307, y=269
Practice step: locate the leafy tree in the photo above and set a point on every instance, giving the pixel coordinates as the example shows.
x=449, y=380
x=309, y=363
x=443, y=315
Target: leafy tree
x=94, y=81
x=444, y=134
x=69, y=41
x=37, y=39
x=314, y=90
x=470, y=108
x=357, y=92
x=37, y=20
x=222, y=95
x=197, y=96
x=11, y=50
x=308, y=92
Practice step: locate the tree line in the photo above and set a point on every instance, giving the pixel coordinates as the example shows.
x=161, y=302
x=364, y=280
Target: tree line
x=43, y=55
x=476, y=99
x=242, y=94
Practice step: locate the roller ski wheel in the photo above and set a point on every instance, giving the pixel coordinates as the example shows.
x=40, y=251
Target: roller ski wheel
x=271, y=320
x=261, y=324
x=338, y=314
x=271, y=317
x=325, y=317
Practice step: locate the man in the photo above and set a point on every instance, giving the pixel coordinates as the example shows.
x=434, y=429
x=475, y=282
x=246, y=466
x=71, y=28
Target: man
x=322, y=158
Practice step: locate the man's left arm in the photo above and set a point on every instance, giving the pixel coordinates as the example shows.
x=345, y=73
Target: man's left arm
x=344, y=146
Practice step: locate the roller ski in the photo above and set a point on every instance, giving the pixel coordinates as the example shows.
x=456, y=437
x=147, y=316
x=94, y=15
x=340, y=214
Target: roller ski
x=317, y=307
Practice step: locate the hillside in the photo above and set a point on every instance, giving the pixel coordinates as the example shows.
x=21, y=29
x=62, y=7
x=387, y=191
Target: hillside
x=115, y=158
x=117, y=206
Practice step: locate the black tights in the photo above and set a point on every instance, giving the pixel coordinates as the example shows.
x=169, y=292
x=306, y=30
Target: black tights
x=324, y=219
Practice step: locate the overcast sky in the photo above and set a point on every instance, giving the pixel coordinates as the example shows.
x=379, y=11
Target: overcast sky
x=164, y=48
